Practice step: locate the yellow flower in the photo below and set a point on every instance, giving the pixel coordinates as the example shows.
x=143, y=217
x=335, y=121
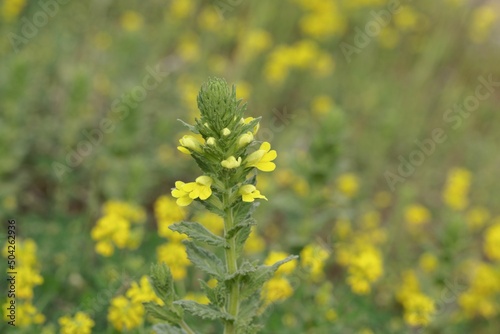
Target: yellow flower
x=417, y=214
x=245, y=139
x=12, y=8
x=457, y=188
x=275, y=290
x=262, y=158
x=249, y=193
x=321, y=105
x=364, y=268
x=477, y=217
x=492, y=242
x=284, y=269
x=331, y=315
x=313, y=258
x=188, y=144
x=211, y=221
x=180, y=9
x=111, y=230
x=174, y=255
x=131, y=21
x=255, y=243
x=406, y=18
x=248, y=120
x=231, y=162
x=26, y=314
x=483, y=19
x=187, y=192
x=80, y=324
x=428, y=262
x=348, y=184
x=197, y=297
x=128, y=211
x=143, y=292
x=125, y=314
x=418, y=310
x=165, y=209
x=226, y=132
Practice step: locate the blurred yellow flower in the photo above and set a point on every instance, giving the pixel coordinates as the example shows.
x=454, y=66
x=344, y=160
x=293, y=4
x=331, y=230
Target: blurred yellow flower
x=255, y=243
x=125, y=314
x=173, y=254
x=131, y=21
x=180, y=9
x=143, y=292
x=476, y=217
x=313, y=258
x=284, y=269
x=277, y=289
x=417, y=214
x=428, y=262
x=492, y=242
x=321, y=105
x=348, y=184
x=81, y=323
x=197, y=297
x=456, y=190
x=483, y=19
x=12, y=8
x=26, y=314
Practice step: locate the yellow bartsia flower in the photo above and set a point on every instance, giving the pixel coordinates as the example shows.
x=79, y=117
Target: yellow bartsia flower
x=187, y=192
x=262, y=158
x=231, y=162
x=189, y=144
x=249, y=193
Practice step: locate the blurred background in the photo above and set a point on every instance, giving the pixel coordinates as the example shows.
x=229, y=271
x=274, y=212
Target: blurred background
x=384, y=115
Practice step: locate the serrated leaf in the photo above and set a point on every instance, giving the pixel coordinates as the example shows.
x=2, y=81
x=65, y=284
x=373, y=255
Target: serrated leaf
x=236, y=228
x=241, y=237
x=189, y=126
x=255, y=280
x=165, y=313
x=162, y=282
x=212, y=208
x=203, y=311
x=198, y=232
x=167, y=329
x=216, y=295
x=245, y=269
x=204, y=260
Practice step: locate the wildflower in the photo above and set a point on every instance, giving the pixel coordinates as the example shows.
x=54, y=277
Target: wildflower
x=313, y=258
x=262, y=158
x=188, y=144
x=131, y=21
x=128, y=211
x=245, y=139
x=348, y=184
x=416, y=214
x=187, y=192
x=418, y=310
x=142, y=292
x=477, y=217
x=483, y=19
x=109, y=231
x=492, y=242
x=321, y=104
x=81, y=323
x=248, y=120
x=276, y=289
x=125, y=314
x=457, y=188
x=255, y=243
x=249, y=193
x=231, y=162
x=165, y=209
x=27, y=313
x=428, y=262
x=286, y=268
x=174, y=255
x=364, y=269
x=197, y=297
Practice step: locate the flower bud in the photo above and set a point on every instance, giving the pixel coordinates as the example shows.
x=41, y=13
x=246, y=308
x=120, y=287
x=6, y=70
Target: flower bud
x=245, y=139
x=226, y=132
x=211, y=141
x=189, y=142
x=231, y=162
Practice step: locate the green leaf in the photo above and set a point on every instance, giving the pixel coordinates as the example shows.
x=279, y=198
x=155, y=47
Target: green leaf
x=171, y=314
x=204, y=260
x=189, y=126
x=248, y=315
x=236, y=228
x=198, y=232
x=203, y=311
x=254, y=281
x=245, y=269
x=167, y=329
x=162, y=282
x=241, y=237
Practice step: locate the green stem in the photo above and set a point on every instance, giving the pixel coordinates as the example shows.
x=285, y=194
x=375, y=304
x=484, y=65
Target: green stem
x=186, y=327
x=232, y=305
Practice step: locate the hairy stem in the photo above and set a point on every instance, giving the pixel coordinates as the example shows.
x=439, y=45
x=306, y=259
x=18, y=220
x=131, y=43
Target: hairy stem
x=186, y=328
x=232, y=303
